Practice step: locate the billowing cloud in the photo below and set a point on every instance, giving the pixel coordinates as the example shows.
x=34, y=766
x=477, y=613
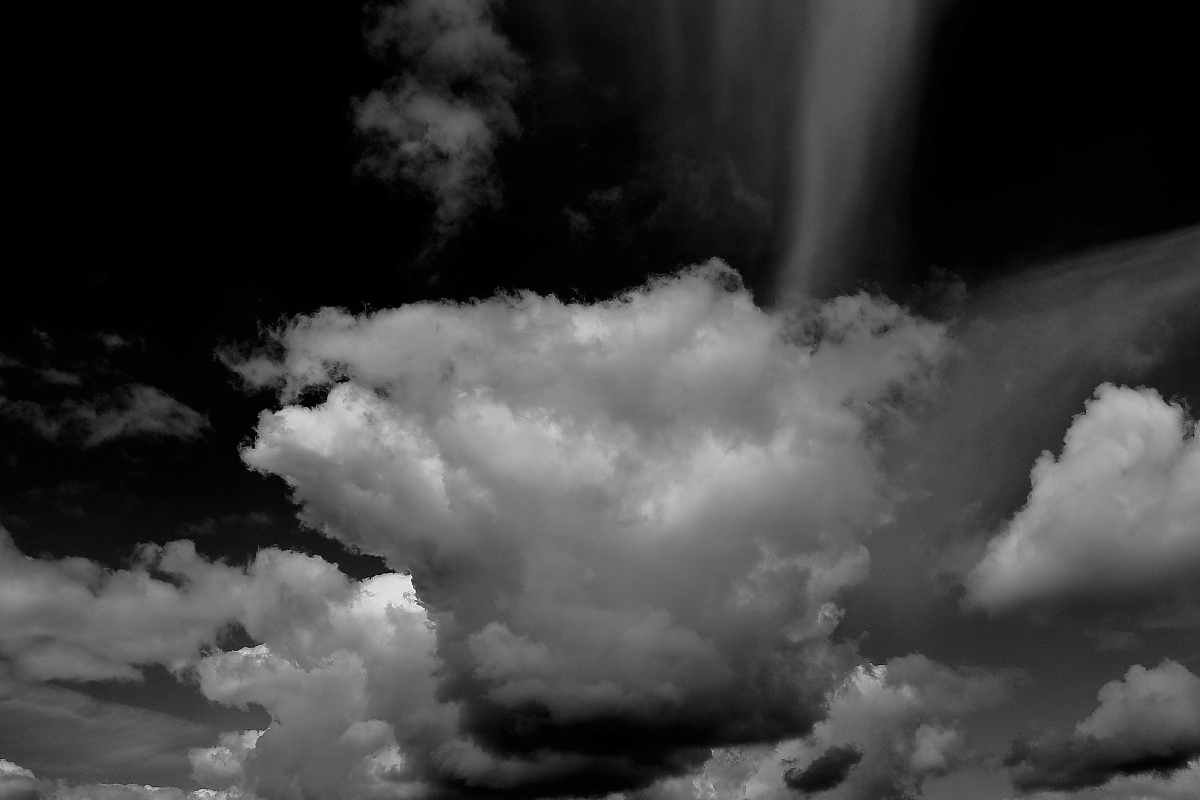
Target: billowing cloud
x=1147, y=724
x=132, y=411
x=437, y=124
x=629, y=520
x=1117, y=515
x=887, y=729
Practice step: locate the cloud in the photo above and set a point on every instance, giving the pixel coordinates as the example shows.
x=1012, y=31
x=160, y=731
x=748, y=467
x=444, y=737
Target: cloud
x=345, y=668
x=1147, y=724
x=828, y=771
x=16, y=782
x=887, y=729
x=1182, y=785
x=60, y=377
x=63, y=733
x=112, y=341
x=1117, y=515
x=223, y=766
x=437, y=124
x=71, y=619
x=132, y=411
x=629, y=520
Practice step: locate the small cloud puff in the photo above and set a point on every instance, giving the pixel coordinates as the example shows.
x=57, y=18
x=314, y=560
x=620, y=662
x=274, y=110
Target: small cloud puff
x=1116, y=516
x=1148, y=724
x=438, y=123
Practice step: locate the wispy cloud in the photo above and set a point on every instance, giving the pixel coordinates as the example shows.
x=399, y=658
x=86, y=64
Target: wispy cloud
x=136, y=410
x=438, y=122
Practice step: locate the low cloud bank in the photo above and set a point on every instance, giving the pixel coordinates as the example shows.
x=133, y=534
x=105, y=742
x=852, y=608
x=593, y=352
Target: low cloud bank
x=1147, y=724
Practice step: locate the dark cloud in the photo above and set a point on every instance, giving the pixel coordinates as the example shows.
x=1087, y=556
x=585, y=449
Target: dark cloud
x=826, y=772
x=1147, y=724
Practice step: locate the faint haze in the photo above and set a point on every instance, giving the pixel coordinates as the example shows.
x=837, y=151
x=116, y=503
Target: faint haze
x=807, y=99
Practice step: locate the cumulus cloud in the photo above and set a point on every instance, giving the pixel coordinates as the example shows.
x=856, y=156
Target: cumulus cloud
x=828, y=771
x=888, y=728
x=1149, y=723
x=338, y=659
x=1117, y=515
x=221, y=766
x=438, y=122
x=629, y=520
x=133, y=411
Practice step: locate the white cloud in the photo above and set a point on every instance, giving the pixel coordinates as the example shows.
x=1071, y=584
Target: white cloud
x=1147, y=724
x=438, y=123
x=623, y=516
x=1116, y=515
x=1157, y=706
x=132, y=411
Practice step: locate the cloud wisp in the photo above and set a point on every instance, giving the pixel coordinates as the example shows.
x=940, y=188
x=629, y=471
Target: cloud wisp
x=437, y=123
x=132, y=411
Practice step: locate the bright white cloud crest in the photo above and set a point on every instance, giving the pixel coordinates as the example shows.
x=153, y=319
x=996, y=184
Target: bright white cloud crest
x=1117, y=514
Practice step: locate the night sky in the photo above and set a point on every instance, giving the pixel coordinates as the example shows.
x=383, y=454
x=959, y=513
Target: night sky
x=649, y=399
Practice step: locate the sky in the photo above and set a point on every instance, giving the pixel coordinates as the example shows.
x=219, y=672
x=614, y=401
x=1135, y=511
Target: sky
x=655, y=400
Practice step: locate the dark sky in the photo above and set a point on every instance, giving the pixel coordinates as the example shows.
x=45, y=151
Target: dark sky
x=187, y=178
